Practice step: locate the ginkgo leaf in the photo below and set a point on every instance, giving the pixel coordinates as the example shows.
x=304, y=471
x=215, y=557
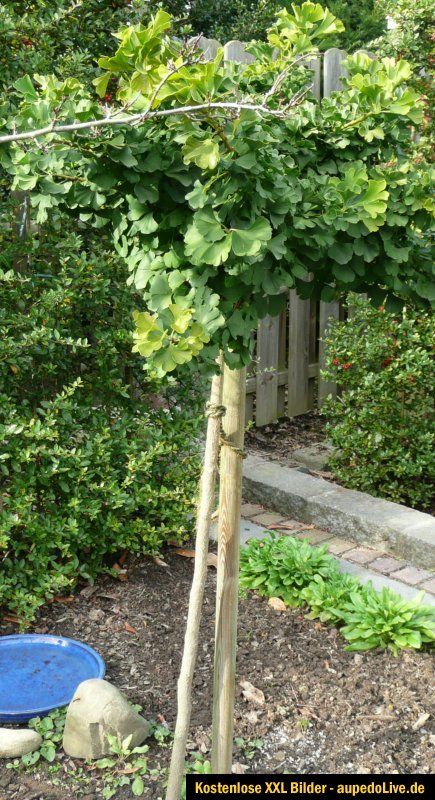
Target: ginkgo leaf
x=248, y=241
x=203, y=152
x=182, y=317
x=341, y=253
x=374, y=199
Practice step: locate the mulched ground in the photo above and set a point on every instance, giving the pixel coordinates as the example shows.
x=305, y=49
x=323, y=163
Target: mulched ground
x=278, y=440
x=324, y=710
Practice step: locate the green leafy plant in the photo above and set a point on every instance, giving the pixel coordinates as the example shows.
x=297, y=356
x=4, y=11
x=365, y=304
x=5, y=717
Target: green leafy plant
x=384, y=619
x=94, y=460
x=123, y=767
x=250, y=19
x=326, y=597
x=207, y=233
x=301, y=574
x=126, y=766
x=249, y=747
x=282, y=567
x=412, y=36
x=51, y=729
x=382, y=422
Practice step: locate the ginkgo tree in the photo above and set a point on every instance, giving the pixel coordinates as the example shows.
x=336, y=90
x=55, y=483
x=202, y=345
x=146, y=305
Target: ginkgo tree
x=223, y=185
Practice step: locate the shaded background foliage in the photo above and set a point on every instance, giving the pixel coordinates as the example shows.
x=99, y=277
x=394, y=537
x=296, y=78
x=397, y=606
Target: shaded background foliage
x=250, y=19
x=93, y=458
x=66, y=36
x=383, y=422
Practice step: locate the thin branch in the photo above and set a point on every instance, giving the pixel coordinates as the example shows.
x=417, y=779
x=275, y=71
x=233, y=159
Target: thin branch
x=137, y=118
x=282, y=75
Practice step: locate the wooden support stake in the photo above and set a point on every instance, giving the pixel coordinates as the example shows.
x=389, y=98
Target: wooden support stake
x=230, y=499
x=191, y=639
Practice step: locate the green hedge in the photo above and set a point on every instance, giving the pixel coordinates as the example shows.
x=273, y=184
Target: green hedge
x=382, y=422
x=93, y=459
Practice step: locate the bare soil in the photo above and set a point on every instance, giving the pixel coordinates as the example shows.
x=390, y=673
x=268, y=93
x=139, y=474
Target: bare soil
x=278, y=440
x=324, y=710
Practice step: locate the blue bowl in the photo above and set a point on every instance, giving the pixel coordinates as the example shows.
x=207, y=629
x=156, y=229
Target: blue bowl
x=39, y=673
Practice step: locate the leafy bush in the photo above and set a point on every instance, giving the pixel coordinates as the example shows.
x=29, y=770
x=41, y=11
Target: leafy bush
x=412, y=38
x=326, y=596
x=60, y=36
x=250, y=19
x=88, y=465
x=383, y=619
x=283, y=567
x=301, y=574
x=382, y=423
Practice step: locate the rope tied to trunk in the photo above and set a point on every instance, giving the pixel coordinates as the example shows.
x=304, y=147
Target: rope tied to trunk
x=214, y=411
x=238, y=450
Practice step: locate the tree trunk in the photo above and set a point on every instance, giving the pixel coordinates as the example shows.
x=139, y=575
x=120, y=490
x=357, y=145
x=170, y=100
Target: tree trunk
x=230, y=499
x=205, y=509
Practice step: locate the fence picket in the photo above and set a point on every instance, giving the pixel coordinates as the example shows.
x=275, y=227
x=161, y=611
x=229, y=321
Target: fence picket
x=267, y=370
x=298, y=349
x=235, y=51
x=327, y=313
x=210, y=47
x=333, y=70
x=316, y=86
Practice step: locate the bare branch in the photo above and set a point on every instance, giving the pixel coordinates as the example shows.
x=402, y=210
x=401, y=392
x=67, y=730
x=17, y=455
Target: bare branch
x=133, y=119
x=282, y=75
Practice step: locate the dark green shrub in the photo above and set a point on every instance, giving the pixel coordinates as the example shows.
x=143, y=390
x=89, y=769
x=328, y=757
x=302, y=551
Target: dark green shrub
x=382, y=423
x=59, y=36
x=88, y=465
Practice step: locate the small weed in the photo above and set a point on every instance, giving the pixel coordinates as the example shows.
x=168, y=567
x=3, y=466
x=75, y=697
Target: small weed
x=249, y=747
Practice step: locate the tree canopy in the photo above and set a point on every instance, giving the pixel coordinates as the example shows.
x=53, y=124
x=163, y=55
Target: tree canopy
x=243, y=187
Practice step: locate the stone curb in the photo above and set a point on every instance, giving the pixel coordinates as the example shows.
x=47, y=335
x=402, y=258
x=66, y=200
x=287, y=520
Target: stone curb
x=355, y=515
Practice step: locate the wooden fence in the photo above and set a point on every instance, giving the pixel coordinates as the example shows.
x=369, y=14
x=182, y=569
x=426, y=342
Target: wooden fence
x=284, y=378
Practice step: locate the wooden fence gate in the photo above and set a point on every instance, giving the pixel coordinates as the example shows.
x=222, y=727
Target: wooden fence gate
x=284, y=378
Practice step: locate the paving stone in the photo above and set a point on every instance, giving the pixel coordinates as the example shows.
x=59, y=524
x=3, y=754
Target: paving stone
x=249, y=509
x=387, y=564
x=363, y=555
x=411, y=575
x=267, y=518
x=314, y=536
x=429, y=585
x=290, y=525
x=337, y=546
x=249, y=530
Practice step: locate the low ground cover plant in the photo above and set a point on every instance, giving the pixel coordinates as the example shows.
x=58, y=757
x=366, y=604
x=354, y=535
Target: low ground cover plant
x=382, y=422
x=300, y=574
x=94, y=459
x=124, y=768
x=283, y=567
